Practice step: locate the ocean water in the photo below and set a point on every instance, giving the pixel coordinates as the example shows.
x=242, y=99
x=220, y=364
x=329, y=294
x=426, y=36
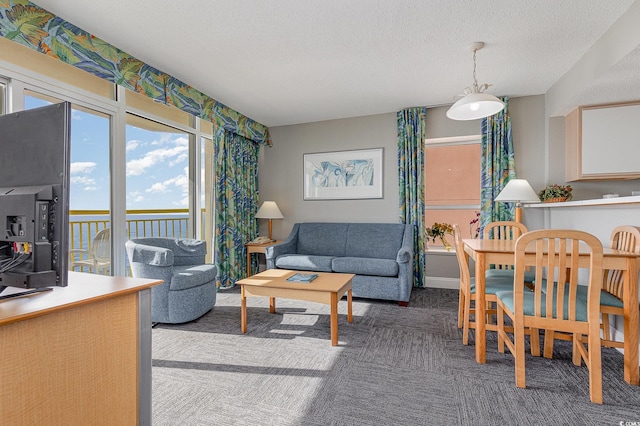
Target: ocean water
x=155, y=225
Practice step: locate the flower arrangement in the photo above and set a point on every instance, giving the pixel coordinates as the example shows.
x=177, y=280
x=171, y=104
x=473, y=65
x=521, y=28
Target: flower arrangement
x=555, y=192
x=440, y=230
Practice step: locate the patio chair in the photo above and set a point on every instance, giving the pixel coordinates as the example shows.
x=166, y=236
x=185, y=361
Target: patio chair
x=97, y=258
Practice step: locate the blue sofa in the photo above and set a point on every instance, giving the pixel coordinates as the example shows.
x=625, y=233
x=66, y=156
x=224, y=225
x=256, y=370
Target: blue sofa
x=189, y=289
x=380, y=254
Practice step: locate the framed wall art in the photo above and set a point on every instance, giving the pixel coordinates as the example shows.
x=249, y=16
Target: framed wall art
x=343, y=175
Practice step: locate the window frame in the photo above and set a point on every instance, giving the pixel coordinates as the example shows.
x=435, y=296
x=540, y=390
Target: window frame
x=448, y=142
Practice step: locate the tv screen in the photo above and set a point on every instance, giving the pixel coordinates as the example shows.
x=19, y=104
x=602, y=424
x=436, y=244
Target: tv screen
x=34, y=196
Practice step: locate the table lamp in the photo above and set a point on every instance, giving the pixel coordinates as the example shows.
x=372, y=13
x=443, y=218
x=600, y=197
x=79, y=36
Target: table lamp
x=269, y=210
x=518, y=191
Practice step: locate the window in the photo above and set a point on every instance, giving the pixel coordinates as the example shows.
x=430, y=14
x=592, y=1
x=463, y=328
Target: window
x=89, y=189
x=452, y=183
x=107, y=165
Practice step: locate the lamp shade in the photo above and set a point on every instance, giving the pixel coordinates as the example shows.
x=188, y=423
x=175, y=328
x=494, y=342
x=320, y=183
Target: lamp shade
x=518, y=191
x=269, y=210
x=474, y=106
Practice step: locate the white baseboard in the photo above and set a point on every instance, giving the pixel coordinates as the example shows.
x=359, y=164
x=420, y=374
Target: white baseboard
x=442, y=282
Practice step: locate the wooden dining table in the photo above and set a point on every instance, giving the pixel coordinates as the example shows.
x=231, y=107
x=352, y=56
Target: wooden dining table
x=489, y=251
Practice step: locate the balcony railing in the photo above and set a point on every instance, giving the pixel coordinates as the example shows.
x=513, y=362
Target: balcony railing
x=85, y=224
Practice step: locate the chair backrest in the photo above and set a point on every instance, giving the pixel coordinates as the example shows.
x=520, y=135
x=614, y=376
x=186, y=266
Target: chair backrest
x=100, y=249
x=625, y=238
x=463, y=259
x=558, y=253
x=504, y=230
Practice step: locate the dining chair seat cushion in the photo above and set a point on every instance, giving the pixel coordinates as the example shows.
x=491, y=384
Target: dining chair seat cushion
x=606, y=298
x=507, y=299
x=494, y=285
x=529, y=276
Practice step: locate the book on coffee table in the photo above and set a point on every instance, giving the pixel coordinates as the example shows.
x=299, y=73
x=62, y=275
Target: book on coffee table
x=302, y=278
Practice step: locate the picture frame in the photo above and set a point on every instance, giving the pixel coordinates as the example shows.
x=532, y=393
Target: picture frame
x=343, y=175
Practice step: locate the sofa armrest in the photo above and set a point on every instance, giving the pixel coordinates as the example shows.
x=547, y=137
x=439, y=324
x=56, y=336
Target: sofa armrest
x=289, y=245
x=405, y=254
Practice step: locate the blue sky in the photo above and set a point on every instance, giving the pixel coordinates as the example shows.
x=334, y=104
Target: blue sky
x=157, y=164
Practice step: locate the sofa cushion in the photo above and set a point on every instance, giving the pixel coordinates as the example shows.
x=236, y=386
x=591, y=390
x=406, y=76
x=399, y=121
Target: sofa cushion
x=304, y=262
x=192, y=276
x=322, y=239
x=365, y=266
x=374, y=240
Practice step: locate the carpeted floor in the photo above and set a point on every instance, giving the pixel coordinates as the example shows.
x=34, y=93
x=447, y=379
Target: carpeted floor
x=393, y=366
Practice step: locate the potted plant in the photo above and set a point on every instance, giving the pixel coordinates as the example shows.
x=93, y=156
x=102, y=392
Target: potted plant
x=554, y=193
x=440, y=230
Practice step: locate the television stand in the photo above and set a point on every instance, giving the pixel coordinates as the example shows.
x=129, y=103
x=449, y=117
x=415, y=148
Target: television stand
x=22, y=293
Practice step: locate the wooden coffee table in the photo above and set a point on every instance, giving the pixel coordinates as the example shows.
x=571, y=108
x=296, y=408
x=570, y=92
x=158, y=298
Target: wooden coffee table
x=328, y=288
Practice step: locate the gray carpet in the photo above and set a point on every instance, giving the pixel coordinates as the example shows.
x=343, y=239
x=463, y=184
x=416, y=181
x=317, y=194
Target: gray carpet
x=393, y=366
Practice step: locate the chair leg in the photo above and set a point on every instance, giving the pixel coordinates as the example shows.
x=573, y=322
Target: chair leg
x=606, y=331
x=577, y=356
x=460, y=308
x=534, y=340
x=548, y=343
x=466, y=321
x=518, y=336
x=500, y=320
x=595, y=367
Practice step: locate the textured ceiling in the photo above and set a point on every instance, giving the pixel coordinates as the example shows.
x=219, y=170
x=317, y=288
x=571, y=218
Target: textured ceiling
x=289, y=61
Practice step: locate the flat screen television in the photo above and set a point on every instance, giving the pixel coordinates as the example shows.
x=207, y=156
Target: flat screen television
x=34, y=197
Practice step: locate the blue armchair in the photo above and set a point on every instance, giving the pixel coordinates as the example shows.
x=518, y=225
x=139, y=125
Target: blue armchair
x=189, y=289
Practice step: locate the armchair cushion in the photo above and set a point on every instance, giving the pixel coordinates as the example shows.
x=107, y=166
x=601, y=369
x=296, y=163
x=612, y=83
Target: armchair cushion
x=188, y=276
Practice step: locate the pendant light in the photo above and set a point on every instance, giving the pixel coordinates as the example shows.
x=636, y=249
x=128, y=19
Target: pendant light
x=475, y=103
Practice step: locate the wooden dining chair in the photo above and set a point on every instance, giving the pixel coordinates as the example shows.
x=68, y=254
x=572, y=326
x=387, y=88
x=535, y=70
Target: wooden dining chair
x=625, y=238
x=468, y=289
x=556, y=306
x=505, y=230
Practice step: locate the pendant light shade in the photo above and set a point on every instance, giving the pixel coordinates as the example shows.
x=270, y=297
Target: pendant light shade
x=475, y=104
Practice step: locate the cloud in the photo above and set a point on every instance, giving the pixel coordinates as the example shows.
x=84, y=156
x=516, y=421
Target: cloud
x=80, y=175
x=84, y=167
x=173, y=155
x=82, y=180
x=135, y=197
x=180, y=182
x=183, y=202
x=132, y=144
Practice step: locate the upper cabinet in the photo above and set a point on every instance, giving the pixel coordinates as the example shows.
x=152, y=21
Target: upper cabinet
x=603, y=142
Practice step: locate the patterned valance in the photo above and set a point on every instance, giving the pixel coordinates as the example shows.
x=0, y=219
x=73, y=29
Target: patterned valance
x=30, y=25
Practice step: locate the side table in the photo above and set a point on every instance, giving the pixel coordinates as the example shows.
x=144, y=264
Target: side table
x=256, y=248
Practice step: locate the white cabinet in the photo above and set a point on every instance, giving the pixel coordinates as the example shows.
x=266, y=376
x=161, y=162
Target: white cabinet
x=603, y=142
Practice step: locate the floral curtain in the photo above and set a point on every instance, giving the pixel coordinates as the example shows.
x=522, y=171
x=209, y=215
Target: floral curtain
x=30, y=25
x=411, y=136
x=498, y=166
x=236, y=198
